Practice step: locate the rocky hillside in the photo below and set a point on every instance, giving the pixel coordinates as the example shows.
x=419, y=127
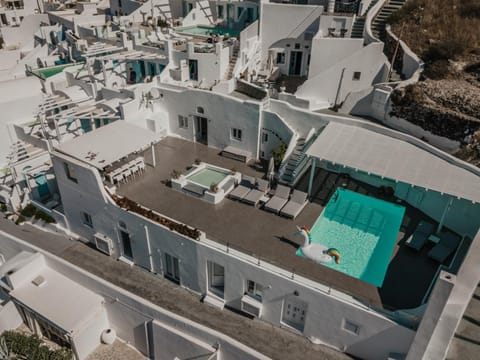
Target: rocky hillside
x=446, y=35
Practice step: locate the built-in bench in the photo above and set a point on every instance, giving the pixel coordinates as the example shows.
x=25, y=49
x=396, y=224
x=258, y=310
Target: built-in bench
x=228, y=186
x=236, y=154
x=194, y=189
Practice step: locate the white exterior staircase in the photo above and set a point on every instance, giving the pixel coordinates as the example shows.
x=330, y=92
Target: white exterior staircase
x=232, y=63
x=359, y=23
x=380, y=21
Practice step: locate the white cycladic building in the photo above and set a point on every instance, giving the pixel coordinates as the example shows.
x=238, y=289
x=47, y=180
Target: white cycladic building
x=72, y=307
x=202, y=263
x=52, y=305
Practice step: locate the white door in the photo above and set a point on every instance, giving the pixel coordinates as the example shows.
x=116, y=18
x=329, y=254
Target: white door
x=294, y=312
x=216, y=278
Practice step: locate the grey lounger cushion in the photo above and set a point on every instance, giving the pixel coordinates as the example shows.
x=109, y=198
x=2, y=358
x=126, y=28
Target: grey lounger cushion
x=446, y=246
x=420, y=236
x=254, y=196
x=295, y=205
x=246, y=184
x=278, y=201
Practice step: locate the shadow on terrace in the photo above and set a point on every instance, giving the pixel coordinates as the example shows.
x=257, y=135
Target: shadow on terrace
x=269, y=237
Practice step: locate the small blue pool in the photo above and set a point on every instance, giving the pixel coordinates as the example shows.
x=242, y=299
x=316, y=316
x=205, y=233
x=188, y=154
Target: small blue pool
x=206, y=30
x=363, y=229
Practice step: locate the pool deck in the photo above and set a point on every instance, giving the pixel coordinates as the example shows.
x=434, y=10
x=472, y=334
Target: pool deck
x=270, y=237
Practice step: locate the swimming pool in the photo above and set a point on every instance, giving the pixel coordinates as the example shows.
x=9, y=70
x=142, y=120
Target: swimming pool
x=205, y=30
x=51, y=70
x=208, y=176
x=363, y=229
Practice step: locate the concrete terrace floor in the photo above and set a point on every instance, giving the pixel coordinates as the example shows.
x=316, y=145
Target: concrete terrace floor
x=271, y=237
x=274, y=342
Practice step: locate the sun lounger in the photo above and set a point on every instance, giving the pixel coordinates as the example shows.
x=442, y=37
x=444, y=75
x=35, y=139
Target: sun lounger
x=420, y=236
x=246, y=184
x=446, y=246
x=254, y=195
x=295, y=205
x=278, y=201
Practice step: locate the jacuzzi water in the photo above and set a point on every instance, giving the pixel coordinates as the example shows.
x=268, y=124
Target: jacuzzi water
x=364, y=231
x=208, y=176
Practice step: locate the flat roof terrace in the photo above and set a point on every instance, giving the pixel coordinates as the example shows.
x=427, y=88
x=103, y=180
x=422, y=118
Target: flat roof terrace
x=271, y=237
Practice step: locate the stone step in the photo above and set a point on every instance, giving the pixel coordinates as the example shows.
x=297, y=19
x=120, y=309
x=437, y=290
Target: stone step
x=472, y=313
x=468, y=331
x=461, y=349
x=476, y=294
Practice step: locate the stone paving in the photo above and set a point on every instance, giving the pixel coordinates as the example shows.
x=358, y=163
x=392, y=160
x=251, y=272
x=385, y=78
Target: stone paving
x=117, y=351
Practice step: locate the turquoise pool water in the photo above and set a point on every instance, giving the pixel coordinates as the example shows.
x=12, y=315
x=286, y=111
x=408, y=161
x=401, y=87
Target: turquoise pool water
x=51, y=70
x=364, y=231
x=206, y=30
x=208, y=176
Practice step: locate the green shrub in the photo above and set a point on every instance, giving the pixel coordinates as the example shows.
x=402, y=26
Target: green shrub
x=3, y=207
x=278, y=153
x=45, y=217
x=31, y=347
x=20, y=220
x=29, y=211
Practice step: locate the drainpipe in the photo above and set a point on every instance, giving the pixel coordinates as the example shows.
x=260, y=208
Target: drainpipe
x=339, y=87
x=444, y=215
x=154, y=160
x=149, y=248
x=312, y=174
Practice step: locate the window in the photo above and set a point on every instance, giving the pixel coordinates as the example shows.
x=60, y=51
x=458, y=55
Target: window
x=254, y=290
x=264, y=137
x=351, y=327
x=87, y=219
x=200, y=110
x=119, y=3
x=70, y=172
x=239, y=12
x=357, y=75
x=220, y=12
x=172, y=268
x=237, y=134
x=126, y=244
x=182, y=122
x=281, y=58
x=297, y=46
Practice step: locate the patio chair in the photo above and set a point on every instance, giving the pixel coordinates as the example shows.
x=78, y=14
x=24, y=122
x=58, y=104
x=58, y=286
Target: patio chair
x=246, y=184
x=255, y=195
x=446, y=246
x=420, y=236
x=295, y=205
x=278, y=201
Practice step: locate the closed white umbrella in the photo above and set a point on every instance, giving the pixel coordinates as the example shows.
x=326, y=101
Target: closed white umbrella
x=271, y=169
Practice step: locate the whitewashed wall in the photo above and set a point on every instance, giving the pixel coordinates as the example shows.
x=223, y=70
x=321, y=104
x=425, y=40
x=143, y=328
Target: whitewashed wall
x=130, y=316
x=283, y=21
x=328, y=80
x=223, y=113
x=326, y=313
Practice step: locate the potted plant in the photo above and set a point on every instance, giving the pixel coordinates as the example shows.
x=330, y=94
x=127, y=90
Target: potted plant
x=214, y=188
x=175, y=174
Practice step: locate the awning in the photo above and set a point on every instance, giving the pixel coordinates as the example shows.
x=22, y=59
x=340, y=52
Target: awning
x=378, y=154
